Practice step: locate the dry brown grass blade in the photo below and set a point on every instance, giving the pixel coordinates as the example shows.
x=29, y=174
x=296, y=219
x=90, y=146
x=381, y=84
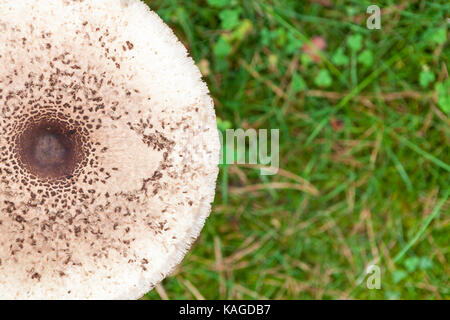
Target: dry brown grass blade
x=238, y=255
x=220, y=266
x=255, y=74
x=303, y=184
x=281, y=172
x=161, y=291
x=391, y=96
x=249, y=292
x=273, y=186
x=193, y=289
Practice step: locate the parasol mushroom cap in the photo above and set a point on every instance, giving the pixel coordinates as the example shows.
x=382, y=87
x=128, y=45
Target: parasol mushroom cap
x=108, y=149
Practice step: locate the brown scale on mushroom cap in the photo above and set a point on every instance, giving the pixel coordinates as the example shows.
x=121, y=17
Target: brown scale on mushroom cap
x=102, y=184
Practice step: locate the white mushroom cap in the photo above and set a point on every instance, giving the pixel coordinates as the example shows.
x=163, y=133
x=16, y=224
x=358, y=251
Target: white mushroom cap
x=108, y=149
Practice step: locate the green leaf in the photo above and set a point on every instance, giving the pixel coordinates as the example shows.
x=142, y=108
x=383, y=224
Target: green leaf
x=266, y=37
x=230, y=18
x=223, y=125
x=293, y=43
x=218, y=3
x=354, y=42
x=411, y=263
x=443, y=91
x=244, y=28
x=323, y=79
x=425, y=78
x=425, y=263
x=366, y=58
x=399, y=275
x=439, y=36
x=298, y=84
x=281, y=36
x=339, y=58
x=351, y=11
x=222, y=47
x=305, y=59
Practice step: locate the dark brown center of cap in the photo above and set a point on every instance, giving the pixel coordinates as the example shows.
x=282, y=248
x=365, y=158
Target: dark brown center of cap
x=50, y=149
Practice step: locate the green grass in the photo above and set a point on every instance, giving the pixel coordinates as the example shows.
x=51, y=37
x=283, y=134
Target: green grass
x=367, y=124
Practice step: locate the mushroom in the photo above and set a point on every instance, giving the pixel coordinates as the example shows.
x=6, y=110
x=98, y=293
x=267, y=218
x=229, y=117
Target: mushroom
x=108, y=149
